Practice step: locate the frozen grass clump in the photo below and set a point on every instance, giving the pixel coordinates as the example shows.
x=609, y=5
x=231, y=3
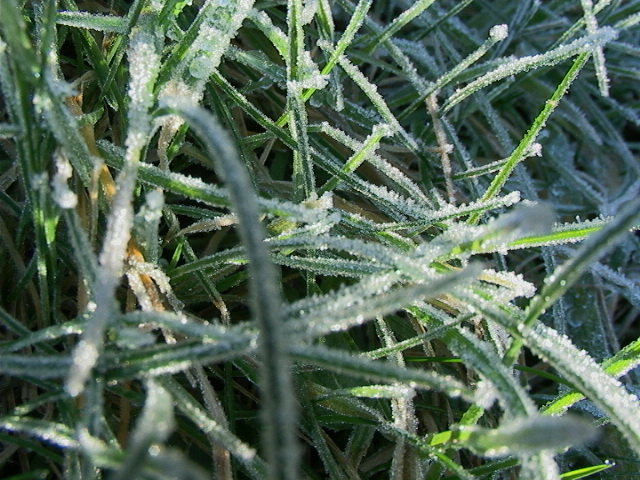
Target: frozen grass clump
x=394, y=239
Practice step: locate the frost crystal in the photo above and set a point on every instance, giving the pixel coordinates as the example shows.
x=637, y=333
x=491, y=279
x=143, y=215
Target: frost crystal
x=499, y=32
x=513, y=66
x=84, y=358
x=222, y=21
x=515, y=282
x=309, y=11
x=155, y=202
x=145, y=63
x=62, y=195
x=535, y=150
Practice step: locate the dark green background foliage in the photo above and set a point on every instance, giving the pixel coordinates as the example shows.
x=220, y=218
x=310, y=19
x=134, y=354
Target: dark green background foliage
x=319, y=239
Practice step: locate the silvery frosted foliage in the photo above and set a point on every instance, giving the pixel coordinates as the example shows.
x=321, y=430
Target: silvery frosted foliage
x=222, y=19
x=319, y=239
x=145, y=61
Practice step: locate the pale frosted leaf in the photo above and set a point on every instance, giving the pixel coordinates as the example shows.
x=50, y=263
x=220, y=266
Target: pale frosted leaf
x=372, y=297
x=361, y=367
x=154, y=425
x=62, y=195
x=242, y=452
x=514, y=66
x=92, y=21
x=50, y=432
x=36, y=366
x=525, y=436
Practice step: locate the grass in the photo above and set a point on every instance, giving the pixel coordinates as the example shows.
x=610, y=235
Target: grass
x=346, y=240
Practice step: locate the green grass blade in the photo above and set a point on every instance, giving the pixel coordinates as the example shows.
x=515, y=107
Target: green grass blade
x=278, y=392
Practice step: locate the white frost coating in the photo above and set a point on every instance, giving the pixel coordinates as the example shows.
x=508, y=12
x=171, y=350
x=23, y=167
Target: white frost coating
x=513, y=66
x=499, y=32
x=176, y=92
x=582, y=370
x=309, y=10
x=85, y=356
x=317, y=82
x=223, y=19
x=515, y=282
x=62, y=195
x=485, y=394
x=136, y=285
x=137, y=268
x=154, y=203
x=325, y=202
x=535, y=150
x=144, y=65
x=118, y=230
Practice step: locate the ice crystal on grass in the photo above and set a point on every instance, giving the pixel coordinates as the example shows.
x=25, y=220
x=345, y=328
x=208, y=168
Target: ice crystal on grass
x=514, y=282
x=383, y=391
x=145, y=63
x=499, y=32
x=525, y=436
x=514, y=66
x=63, y=196
x=102, y=23
x=220, y=25
x=583, y=372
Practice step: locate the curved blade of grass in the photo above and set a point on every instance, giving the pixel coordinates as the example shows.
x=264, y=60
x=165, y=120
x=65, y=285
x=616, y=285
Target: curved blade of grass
x=145, y=59
x=581, y=47
x=524, y=436
x=356, y=366
x=200, y=191
x=575, y=365
x=47, y=431
x=561, y=280
x=303, y=175
x=622, y=362
x=178, y=357
x=521, y=151
x=372, y=297
x=400, y=21
x=43, y=335
x=482, y=358
x=585, y=472
x=34, y=366
x=102, y=23
x=278, y=397
x=193, y=410
x=154, y=425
